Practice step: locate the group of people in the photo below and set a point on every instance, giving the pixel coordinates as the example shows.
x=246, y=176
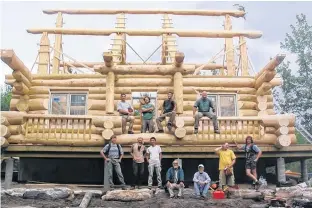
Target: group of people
x=113, y=154
x=202, y=105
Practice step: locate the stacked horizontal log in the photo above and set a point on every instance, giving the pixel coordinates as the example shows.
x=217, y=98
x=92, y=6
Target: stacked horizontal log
x=20, y=80
x=5, y=132
x=12, y=125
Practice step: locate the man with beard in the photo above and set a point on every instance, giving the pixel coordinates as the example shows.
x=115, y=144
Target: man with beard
x=138, y=152
x=169, y=107
x=175, y=179
x=201, y=182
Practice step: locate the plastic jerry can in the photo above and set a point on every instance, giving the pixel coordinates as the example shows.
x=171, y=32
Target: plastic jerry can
x=218, y=195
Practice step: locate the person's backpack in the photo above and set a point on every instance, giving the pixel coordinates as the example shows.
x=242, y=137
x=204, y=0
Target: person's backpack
x=108, y=148
x=251, y=150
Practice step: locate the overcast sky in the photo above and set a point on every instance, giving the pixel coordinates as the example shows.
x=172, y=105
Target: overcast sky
x=272, y=18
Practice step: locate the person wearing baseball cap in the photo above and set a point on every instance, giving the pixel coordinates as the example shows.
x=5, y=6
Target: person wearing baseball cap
x=201, y=182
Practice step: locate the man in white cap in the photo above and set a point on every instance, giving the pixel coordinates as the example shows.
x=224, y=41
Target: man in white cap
x=201, y=182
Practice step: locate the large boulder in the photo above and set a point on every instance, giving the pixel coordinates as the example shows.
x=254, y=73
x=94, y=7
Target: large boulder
x=128, y=195
x=18, y=192
x=47, y=193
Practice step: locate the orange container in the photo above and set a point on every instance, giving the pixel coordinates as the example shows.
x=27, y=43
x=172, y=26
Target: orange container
x=218, y=195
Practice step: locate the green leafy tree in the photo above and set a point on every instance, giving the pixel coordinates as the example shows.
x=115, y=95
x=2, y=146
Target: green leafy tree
x=6, y=95
x=295, y=95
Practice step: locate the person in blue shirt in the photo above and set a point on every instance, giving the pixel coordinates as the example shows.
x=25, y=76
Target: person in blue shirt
x=175, y=179
x=201, y=182
x=253, y=153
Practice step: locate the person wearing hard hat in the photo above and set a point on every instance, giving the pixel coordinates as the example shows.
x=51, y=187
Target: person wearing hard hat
x=201, y=182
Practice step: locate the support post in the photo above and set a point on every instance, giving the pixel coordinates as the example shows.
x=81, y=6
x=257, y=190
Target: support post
x=243, y=56
x=106, y=182
x=180, y=162
x=304, y=169
x=229, y=48
x=110, y=91
x=178, y=91
x=44, y=54
x=281, y=176
x=57, y=45
x=8, y=173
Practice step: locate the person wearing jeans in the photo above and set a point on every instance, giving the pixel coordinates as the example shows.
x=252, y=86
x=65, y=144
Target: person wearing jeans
x=201, y=182
x=148, y=114
x=112, y=154
x=169, y=107
x=153, y=157
x=175, y=179
x=137, y=152
x=126, y=111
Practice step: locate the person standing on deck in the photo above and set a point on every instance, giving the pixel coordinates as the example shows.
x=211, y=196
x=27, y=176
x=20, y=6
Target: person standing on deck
x=153, y=157
x=126, y=111
x=138, y=152
x=169, y=107
x=112, y=154
x=253, y=153
x=148, y=114
x=201, y=181
x=175, y=179
x=227, y=160
x=203, y=106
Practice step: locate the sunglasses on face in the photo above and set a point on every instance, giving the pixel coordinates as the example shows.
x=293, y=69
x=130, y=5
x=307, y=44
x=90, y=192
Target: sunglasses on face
x=176, y=163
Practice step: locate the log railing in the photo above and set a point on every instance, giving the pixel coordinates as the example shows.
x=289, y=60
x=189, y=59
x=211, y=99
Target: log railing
x=235, y=128
x=58, y=127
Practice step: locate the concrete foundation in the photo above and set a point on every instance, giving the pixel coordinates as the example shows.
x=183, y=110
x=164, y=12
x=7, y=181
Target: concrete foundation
x=8, y=173
x=281, y=176
x=304, y=169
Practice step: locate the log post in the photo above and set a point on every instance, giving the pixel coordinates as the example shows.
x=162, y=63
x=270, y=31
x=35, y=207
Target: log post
x=243, y=56
x=178, y=59
x=57, y=45
x=108, y=59
x=229, y=48
x=86, y=200
x=178, y=91
x=110, y=91
x=4, y=142
x=281, y=176
x=44, y=54
x=304, y=170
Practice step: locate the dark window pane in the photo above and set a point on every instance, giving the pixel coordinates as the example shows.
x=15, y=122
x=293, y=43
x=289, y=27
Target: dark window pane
x=78, y=105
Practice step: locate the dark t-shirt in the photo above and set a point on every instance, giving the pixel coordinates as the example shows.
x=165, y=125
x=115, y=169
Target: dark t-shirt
x=168, y=105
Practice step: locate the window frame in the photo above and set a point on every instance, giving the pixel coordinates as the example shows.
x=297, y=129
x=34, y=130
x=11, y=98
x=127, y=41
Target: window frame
x=218, y=104
x=68, y=100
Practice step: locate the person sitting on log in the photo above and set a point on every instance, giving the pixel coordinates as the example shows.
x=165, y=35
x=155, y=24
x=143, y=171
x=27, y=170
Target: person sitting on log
x=126, y=111
x=227, y=160
x=153, y=157
x=112, y=154
x=138, y=151
x=169, y=107
x=201, y=182
x=253, y=153
x=203, y=106
x=148, y=114
x=175, y=179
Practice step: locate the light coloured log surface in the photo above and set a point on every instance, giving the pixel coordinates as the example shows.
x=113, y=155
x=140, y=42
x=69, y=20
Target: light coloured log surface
x=146, y=82
x=262, y=106
x=76, y=129
x=100, y=113
x=4, y=131
x=108, y=59
x=22, y=105
x=273, y=63
x=14, y=117
x=87, y=82
x=16, y=129
x=38, y=104
x=264, y=88
x=277, y=81
x=279, y=120
x=67, y=76
x=283, y=141
x=158, y=32
x=246, y=105
x=229, y=48
x=99, y=120
x=57, y=45
x=178, y=92
x=19, y=77
x=179, y=59
x=267, y=76
x=10, y=58
x=38, y=96
x=271, y=112
x=4, y=121
x=108, y=124
x=243, y=56
x=263, y=98
x=4, y=142
x=228, y=130
x=107, y=133
x=263, y=113
x=20, y=86
x=180, y=132
x=44, y=54
x=218, y=82
x=179, y=122
x=145, y=69
x=35, y=90
x=97, y=104
x=110, y=91
x=38, y=112
x=248, y=112
x=234, y=13
x=283, y=130
x=96, y=140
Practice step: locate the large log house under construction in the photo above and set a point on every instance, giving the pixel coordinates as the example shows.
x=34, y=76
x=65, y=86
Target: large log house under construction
x=61, y=117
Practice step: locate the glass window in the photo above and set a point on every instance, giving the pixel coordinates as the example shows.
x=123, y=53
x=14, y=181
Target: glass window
x=227, y=105
x=68, y=104
x=59, y=104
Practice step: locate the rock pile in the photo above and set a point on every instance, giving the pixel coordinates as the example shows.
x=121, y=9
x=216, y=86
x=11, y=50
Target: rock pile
x=128, y=195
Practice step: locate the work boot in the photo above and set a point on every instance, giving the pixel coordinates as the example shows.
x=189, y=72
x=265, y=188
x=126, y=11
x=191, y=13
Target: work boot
x=169, y=126
x=217, y=131
x=130, y=132
x=160, y=131
x=195, y=131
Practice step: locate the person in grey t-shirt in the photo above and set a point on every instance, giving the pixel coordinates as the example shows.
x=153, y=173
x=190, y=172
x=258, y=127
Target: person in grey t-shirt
x=126, y=111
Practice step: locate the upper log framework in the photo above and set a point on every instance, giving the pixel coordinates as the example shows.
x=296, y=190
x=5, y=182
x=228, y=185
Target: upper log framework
x=233, y=13
x=159, y=32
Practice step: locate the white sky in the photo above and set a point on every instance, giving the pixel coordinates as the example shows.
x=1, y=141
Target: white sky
x=273, y=18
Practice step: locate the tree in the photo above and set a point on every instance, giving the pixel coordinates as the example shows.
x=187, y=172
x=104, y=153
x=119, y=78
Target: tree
x=295, y=95
x=6, y=96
